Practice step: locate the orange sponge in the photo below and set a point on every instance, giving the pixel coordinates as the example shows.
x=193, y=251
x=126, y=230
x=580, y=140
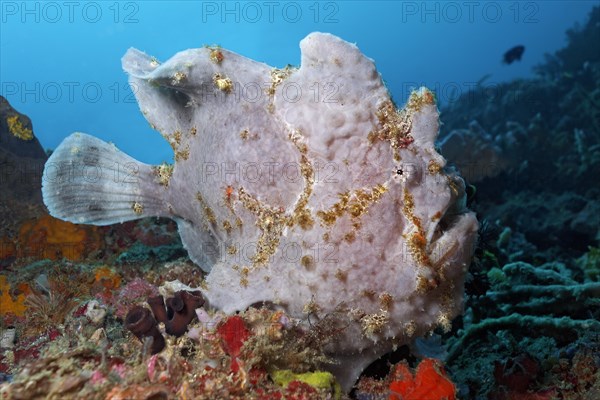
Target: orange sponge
x=8, y=304
x=430, y=382
x=108, y=278
x=48, y=237
x=7, y=248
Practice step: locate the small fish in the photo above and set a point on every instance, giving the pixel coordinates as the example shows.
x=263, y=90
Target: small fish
x=514, y=54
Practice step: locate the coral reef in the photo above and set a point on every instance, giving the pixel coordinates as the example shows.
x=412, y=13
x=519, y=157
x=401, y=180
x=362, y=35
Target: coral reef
x=17, y=137
x=45, y=237
x=134, y=292
x=590, y=264
x=221, y=357
x=530, y=330
x=22, y=160
x=477, y=154
x=532, y=305
x=149, y=239
x=319, y=380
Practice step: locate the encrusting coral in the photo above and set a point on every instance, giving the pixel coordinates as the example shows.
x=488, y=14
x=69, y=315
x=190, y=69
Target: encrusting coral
x=10, y=304
x=429, y=382
x=51, y=238
x=17, y=129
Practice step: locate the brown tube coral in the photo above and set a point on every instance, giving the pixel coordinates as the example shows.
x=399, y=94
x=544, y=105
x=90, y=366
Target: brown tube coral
x=157, y=305
x=141, y=323
x=179, y=311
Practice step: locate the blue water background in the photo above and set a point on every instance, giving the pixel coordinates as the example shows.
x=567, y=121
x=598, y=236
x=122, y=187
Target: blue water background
x=60, y=62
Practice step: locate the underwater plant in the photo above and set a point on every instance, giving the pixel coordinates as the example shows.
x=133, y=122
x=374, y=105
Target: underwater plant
x=48, y=307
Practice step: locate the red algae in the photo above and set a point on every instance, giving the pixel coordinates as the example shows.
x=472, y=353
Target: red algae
x=429, y=382
x=234, y=333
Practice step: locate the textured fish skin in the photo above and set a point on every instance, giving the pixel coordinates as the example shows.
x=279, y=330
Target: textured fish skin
x=304, y=188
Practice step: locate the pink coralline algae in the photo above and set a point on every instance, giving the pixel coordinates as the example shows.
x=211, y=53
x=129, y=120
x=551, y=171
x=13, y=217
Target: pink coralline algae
x=135, y=292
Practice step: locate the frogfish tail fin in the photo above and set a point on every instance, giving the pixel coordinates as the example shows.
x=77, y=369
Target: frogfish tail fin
x=89, y=181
